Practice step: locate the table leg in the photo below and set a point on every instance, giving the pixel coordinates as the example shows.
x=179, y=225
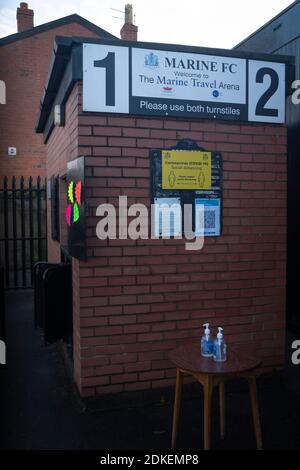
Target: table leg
x=255, y=411
x=178, y=390
x=207, y=390
x=222, y=409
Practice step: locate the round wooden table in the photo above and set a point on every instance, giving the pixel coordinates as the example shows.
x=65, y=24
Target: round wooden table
x=241, y=363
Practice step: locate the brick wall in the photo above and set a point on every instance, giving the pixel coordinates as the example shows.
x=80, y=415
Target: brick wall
x=135, y=300
x=24, y=67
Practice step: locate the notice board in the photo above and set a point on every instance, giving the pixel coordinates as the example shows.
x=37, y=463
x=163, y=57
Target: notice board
x=189, y=174
x=186, y=169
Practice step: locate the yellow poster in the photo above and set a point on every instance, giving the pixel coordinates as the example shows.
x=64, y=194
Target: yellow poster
x=183, y=169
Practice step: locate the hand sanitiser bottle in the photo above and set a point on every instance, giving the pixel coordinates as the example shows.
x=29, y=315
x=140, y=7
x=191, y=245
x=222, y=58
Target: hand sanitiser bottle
x=207, y=344
x=220, y=347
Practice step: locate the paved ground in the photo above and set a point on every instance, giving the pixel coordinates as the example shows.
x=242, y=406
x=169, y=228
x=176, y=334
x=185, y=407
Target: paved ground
x=40, y=410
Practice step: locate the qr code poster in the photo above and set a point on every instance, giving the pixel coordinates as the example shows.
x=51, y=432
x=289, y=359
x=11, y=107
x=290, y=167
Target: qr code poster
x=207, y=217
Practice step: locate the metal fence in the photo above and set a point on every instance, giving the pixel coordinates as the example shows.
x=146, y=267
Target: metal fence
x=23, y=229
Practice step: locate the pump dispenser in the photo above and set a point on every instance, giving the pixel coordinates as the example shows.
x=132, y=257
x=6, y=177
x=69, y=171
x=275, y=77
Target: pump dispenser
x=207, y=344
x=220, y=347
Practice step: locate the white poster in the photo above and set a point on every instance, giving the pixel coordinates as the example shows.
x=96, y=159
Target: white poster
x=167, y=217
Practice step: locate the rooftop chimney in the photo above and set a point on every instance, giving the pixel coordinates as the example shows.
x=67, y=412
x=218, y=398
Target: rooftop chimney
x=24, y=17
x=129, y=30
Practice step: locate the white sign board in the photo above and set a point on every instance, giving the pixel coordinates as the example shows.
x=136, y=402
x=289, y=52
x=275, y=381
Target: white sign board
x=188, y=76
x=133, y=80
x=266, y=91
x=102, y=87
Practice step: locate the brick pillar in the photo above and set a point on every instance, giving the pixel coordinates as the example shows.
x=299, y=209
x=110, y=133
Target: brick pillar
x=24, y=17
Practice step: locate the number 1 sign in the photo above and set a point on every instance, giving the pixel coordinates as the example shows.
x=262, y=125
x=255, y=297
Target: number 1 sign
x=140, y=80
x=106, y=78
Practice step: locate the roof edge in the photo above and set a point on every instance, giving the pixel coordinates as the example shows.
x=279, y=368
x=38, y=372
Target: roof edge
x=54, y=24
x=60, y=58
x=276, y=17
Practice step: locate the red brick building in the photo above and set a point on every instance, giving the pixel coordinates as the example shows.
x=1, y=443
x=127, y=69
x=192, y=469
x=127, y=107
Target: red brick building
x=135, y=300
x=24, y=64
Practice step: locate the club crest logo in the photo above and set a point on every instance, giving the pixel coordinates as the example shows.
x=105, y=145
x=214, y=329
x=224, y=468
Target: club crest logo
x=151, y=60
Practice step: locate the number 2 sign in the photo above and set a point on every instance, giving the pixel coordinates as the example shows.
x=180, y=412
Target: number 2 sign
x=266, y=91
x=140, y=80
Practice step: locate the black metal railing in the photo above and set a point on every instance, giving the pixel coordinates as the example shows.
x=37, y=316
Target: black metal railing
x=23, y=229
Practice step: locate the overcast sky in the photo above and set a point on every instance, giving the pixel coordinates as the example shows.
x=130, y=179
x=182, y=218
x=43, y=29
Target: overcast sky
x=218, y=23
